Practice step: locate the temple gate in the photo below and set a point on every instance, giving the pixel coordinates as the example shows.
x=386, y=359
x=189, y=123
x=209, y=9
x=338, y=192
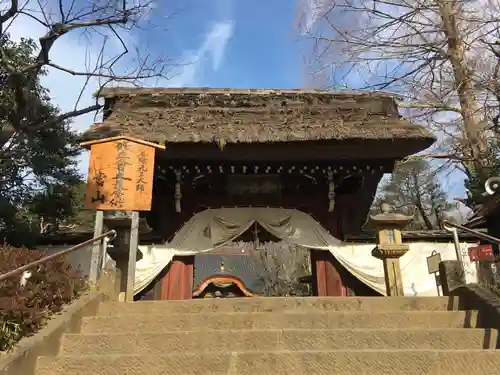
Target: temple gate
x=322, y=153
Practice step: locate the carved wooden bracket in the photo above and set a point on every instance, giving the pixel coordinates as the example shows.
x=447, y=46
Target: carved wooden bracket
x=178, y=194
x=331, y=192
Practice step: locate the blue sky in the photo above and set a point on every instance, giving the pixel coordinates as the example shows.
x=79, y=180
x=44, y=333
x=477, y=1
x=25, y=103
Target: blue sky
x=262, y=49
x=209, y=43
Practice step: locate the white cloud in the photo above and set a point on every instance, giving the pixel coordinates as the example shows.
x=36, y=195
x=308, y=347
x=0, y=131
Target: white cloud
x=312, y=11
x=210, y=51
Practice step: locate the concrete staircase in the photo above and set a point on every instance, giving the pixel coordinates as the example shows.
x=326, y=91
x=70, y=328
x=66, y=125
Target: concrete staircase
x=292, y=336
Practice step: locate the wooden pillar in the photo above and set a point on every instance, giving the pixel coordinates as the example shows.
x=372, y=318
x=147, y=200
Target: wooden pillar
x=132, y=256
x=327, y=281
x=178, y=282
x=97, y=248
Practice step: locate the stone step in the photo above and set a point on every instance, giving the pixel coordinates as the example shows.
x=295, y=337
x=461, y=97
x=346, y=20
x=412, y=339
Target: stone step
x=277, y=340
x=314, y=320
x=280, y=304
x=341, y=362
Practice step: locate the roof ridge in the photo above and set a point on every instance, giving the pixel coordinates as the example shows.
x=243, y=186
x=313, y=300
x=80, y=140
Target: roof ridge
x=110, y=92
x=244, y=116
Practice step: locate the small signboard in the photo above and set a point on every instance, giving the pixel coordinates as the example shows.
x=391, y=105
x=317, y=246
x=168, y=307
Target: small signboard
x=120, y=175
x=246, y=189
x=481, y=252
x=433, y=262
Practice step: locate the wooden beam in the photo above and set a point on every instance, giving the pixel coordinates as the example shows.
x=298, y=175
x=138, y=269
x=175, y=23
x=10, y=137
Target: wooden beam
x=310, y=151
x=88, y=144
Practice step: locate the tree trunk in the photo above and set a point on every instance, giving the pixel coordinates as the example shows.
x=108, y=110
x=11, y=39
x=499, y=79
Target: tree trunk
x=463, y=83
x=427, y=222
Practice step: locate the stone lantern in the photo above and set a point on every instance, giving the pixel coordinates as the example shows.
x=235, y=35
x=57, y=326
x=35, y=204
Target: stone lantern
x=390, y=246
x=122, y=222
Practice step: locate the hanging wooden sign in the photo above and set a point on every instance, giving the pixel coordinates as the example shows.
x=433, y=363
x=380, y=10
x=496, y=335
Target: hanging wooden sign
x=481, y=252
x=120, y=177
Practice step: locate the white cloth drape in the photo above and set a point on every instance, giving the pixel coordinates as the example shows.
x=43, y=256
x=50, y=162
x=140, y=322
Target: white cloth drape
x=417, y=281
x=213, y=228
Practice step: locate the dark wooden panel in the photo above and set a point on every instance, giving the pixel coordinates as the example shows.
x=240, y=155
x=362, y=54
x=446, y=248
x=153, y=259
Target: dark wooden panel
x=327, y=278
x=178, y=282
x=251, y=189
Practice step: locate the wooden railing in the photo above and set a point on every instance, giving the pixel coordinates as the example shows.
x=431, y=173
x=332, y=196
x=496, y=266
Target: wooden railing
x=451, y=227
x=490, y=280
x=19, y=271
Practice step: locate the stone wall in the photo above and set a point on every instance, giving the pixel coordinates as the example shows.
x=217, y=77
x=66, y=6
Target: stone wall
x=470, y=296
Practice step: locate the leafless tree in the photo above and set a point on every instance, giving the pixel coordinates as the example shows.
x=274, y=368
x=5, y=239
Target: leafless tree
x=415, y=189
x=102, y=23
x=279, y=265
x=492, y=84
x=439, y=56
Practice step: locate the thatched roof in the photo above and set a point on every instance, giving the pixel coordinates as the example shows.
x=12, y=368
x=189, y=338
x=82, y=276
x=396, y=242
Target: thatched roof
x=247, y=116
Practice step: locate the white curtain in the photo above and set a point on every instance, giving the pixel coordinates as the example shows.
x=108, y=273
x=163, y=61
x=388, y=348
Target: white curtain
x=417, y=281
x=213, y=228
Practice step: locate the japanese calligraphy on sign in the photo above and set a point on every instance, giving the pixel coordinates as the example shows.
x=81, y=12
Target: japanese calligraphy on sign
x=142, y=169
x=120, y=175
x=122, y=161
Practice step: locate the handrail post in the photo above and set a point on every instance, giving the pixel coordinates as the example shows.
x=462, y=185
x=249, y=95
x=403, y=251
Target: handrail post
x=451, y=228
x=458, y=249
x=105, y=256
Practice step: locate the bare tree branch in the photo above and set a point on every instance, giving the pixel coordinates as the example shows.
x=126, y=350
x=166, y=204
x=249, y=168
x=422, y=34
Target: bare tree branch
x=441, y=56
x=10, y=13
x=414, y=189
x=60, y=19
x=111, y=54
